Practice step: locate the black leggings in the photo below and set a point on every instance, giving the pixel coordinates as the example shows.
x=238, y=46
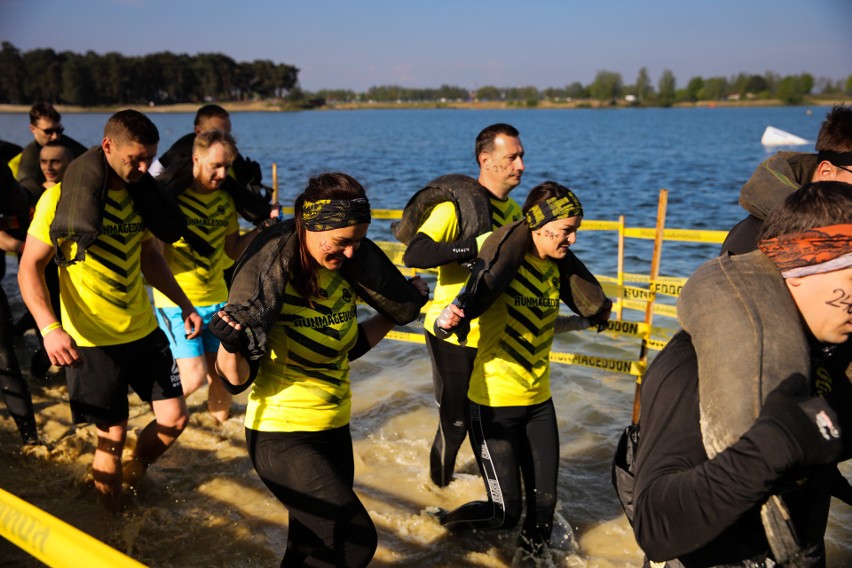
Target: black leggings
x=14, y=386
x=512, y=443
x=312, y=474
x=451, y=369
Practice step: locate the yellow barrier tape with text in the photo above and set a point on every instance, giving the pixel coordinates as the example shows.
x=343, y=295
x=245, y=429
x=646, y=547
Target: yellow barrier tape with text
x=52, y=541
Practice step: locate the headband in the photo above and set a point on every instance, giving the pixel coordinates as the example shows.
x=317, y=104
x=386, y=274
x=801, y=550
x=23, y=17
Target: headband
x=328, y=214
x=823, y=249
x=560, y=207
x=836, y=158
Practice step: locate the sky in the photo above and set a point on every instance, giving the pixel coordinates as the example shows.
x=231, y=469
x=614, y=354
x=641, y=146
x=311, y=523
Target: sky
x=356, y=44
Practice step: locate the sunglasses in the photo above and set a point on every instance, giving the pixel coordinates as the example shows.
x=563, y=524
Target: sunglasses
x=51, y=131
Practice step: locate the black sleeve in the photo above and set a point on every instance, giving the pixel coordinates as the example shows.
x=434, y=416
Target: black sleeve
x=423, y=252
x=742, y=238
x=361, y=344
x=683, y=501
x=237, y=389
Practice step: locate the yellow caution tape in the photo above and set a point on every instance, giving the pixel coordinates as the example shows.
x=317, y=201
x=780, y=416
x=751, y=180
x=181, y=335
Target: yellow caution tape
x=615, y=365
x=405, y=336
x=655, y=344
x=688, y=235
x=631, y=328
x=590, y=225
x=52, y=541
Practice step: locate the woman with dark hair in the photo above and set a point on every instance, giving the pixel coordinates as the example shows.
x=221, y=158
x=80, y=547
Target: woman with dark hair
x=307, y=275
x=512, y=418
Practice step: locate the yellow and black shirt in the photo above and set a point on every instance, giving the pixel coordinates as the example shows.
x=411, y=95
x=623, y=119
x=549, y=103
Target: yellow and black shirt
x=212, y=217
x=104, y=301
x=442, y=225
x=303, y=381
x=512, y=366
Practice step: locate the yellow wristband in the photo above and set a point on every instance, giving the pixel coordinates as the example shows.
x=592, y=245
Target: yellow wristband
x=47, y=329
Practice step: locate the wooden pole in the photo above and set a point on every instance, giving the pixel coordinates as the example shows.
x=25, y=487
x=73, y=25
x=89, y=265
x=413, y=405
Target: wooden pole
x=649, y=308
x=274, y=183
x=620, y=268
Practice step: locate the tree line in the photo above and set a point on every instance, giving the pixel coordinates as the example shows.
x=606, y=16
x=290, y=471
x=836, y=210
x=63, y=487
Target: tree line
x=609, y=87
x=161, y=78
x=92, y=79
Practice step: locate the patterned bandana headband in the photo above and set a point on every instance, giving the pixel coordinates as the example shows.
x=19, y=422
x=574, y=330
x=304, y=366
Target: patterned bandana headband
x=560, y=207
x=328, y=214
x=823, y=249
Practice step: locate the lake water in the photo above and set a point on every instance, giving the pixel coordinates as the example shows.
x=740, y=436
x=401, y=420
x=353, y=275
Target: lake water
x=202, y=505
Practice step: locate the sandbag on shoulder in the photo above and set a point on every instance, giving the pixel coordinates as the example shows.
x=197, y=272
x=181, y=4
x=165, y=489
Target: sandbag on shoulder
x=498, y=263
x=263, y=270
x=251, y=205
x=774, y=179
x=260, y=279
x=381, y=285
x=748, y=338
x=79, y=213
x=473, y=207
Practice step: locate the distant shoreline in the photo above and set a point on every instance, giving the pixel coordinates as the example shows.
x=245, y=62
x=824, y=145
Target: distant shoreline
x=276, y=106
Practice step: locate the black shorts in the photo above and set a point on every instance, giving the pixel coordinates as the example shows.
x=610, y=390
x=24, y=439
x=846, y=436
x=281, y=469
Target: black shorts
x=98, y=387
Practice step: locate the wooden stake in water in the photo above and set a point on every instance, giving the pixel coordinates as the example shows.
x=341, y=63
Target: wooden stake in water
x=649, y=307
x=274, y=183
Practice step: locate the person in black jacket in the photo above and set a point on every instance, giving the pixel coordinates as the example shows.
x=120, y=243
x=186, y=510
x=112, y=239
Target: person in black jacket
x=691, y=510
x=46, y=126
x=780, y=175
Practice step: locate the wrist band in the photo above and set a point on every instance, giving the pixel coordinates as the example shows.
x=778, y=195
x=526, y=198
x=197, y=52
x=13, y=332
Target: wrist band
x=49, y=328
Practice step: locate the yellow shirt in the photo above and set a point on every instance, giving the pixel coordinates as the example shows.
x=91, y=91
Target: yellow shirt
x=303, y=381
x=212, y=217
x=442, y=226
x=15, y=165
x=103, y=299
x=512, y=366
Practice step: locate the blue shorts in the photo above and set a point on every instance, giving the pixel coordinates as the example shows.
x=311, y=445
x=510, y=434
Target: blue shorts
x=171, y=322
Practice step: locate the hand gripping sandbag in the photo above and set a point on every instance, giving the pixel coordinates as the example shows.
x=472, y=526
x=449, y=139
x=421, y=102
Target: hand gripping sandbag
x=473, y=207
x=259, y=281
x=748, y=338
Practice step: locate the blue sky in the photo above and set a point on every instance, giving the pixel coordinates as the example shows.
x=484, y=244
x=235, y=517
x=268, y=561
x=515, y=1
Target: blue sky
x=357, y=44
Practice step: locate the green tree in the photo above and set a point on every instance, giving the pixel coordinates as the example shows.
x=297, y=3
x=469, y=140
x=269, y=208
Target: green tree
x=693, y=88
x=489, y=93
x=577, y=91
x=12, y=72
x=606, y=87
x=791, y=90
x=714, y=89
x=643, y=87
x=848, y=88
x=666, y=89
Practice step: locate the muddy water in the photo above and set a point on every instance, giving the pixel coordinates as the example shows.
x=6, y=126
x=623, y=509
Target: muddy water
x=202, y=504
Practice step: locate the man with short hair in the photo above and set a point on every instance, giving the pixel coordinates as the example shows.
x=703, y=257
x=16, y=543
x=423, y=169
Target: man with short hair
x=208, y=117
x=439, y=244
x=748, y=409
x=54, y=159
x=46, y=126
x=109, y=339
x=210, y=214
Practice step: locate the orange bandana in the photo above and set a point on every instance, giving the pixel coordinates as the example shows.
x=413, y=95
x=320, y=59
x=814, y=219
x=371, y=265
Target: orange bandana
x=822, y=249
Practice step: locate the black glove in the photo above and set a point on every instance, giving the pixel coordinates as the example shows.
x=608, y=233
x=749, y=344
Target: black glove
x=233, y=340
x=808, y=424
